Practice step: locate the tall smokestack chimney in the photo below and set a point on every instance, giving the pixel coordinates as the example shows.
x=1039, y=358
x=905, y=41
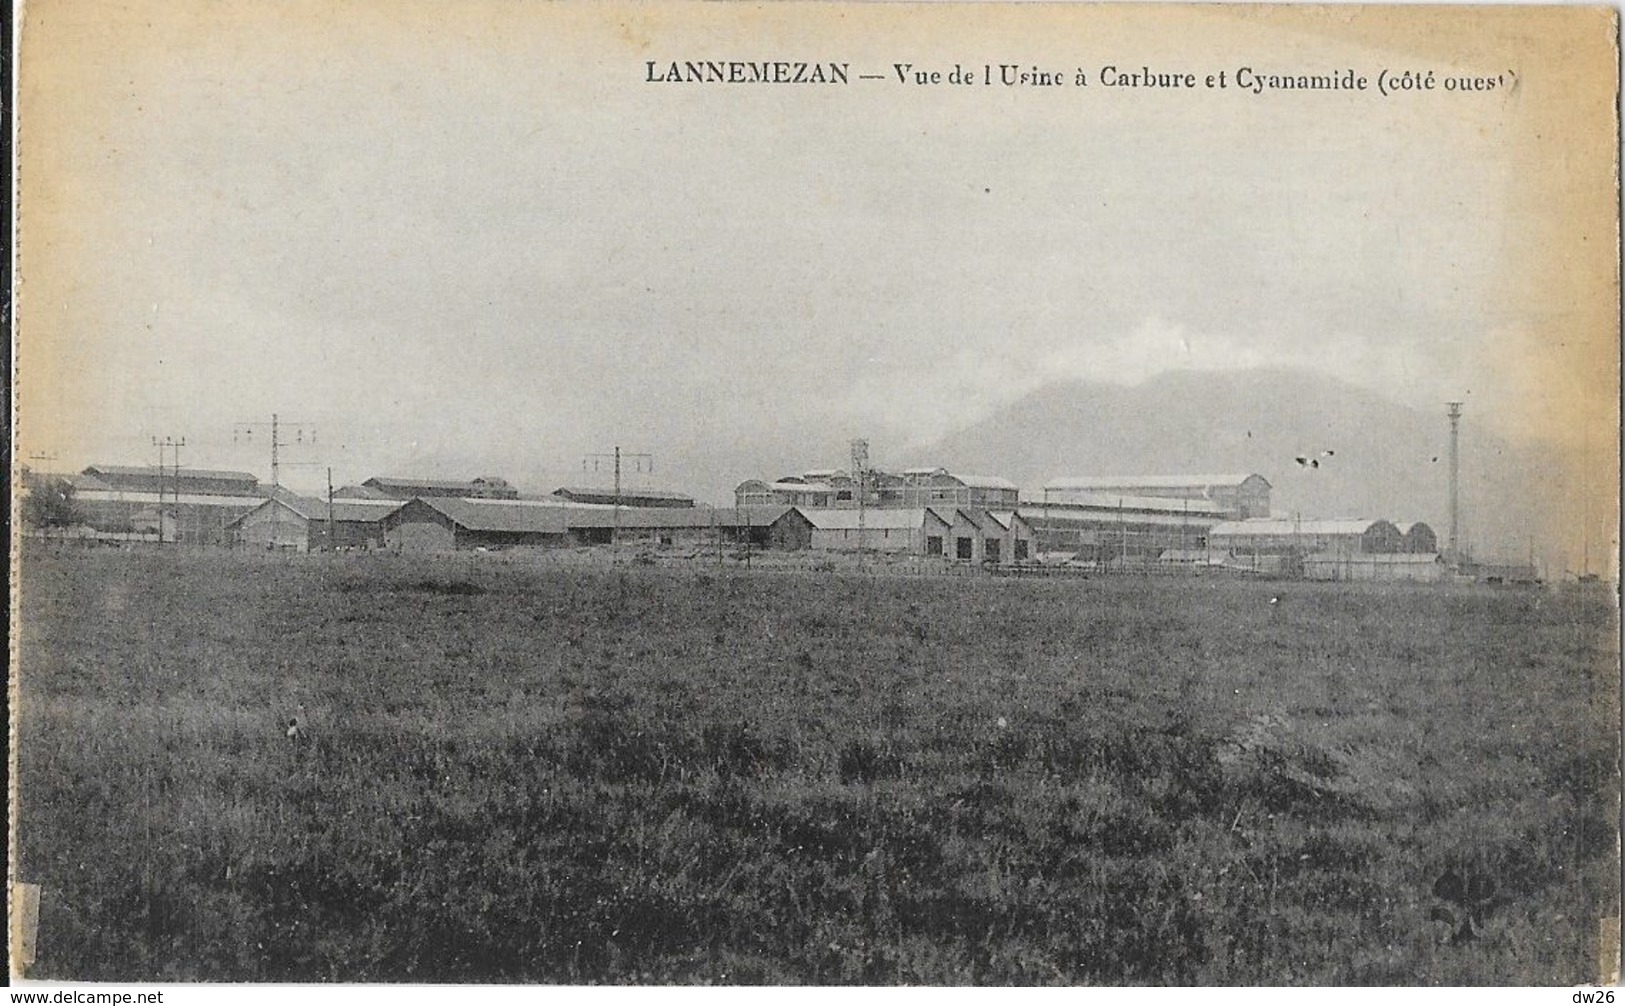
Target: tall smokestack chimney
x=1454, y=556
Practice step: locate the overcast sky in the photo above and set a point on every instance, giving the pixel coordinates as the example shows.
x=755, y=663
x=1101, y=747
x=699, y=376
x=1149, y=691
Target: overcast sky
x=475, y=237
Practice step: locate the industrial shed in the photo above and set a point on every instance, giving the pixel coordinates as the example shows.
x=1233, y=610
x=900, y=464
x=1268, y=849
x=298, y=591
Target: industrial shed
x=1010, y=538
x=966, y=534
x=1288, y=536
x=184, y=508
x=923, y=487
x=302, y=524
x=405, y=488
x=900, y=531
x=678, y=527
x=1238, y=496
x=914, y=488
x=626, y=497
x=442, y=524
x=1120, y=529
x=172, y=481
x=786, y=492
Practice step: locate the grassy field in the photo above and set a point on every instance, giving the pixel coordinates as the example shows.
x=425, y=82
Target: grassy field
x=516, y=771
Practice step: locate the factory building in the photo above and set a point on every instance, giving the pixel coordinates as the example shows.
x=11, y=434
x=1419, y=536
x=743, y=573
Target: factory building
x=913, y=488
x=1122, y=530
x=1238, y=497
x=404, y=488
x=931, y=486
x=778, y=527
x=1344, y=549
x=792, y=491
x=190, y=506
x=188, y=481
x=901, y=531
x=1009, y=537
x=1289, y=536
x=303, y=524
x=445, y=524
x=966, y=534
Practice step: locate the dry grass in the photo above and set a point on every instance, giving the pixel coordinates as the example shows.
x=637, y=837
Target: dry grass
x=520, y=771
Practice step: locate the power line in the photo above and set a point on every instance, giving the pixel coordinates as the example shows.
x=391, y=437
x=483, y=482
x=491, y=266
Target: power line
x=174, y=446
x=641, y=463
x=277, y=429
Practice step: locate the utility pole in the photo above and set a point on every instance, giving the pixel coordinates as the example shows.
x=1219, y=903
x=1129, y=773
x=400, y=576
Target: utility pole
x=332, y=542
x=860, y=464
x=1455, y=486
x=174, y=446
x=1122, y=538
x=641, y=463
x=278, y=429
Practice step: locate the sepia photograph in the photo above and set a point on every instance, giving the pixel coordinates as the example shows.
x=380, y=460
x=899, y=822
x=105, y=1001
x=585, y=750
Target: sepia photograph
x=814, y=494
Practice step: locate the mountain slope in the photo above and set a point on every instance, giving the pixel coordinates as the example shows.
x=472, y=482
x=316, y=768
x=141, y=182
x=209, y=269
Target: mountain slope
x=1386, y=460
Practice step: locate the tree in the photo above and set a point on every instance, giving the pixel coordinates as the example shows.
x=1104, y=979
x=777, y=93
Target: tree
x=50, y=503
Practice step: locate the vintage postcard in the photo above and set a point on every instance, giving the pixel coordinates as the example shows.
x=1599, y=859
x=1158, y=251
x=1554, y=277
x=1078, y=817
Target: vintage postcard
x=815, y=494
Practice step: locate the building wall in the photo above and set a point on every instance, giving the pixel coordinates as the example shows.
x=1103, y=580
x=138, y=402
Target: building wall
x=190, y=523
x=790, y=532
x=895, y=540
x=201, y=524
x=963, y=540
x=1252, y=498
x=274, y=527
x=1019, y=543
x=1106, y=535
x=419, y=535
x=169, y=484
x=347, y=534
x=511, y=539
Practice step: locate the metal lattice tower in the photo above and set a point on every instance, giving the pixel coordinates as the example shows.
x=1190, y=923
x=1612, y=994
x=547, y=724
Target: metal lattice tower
x=1455, y=479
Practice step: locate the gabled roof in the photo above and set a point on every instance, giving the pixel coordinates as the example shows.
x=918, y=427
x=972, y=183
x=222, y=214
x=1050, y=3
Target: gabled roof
x=361, y=493
x=349, y=511
x=646, y=518
x=346, y=510
x=406, y=482
x=1006, y=518
x=149, y=471
x=1231, y=480
x=85, y=482
x=653, y=494
x=227, y=501
x=949, y=514
x=522, y=516
x=874, y=519
x=980, y=519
